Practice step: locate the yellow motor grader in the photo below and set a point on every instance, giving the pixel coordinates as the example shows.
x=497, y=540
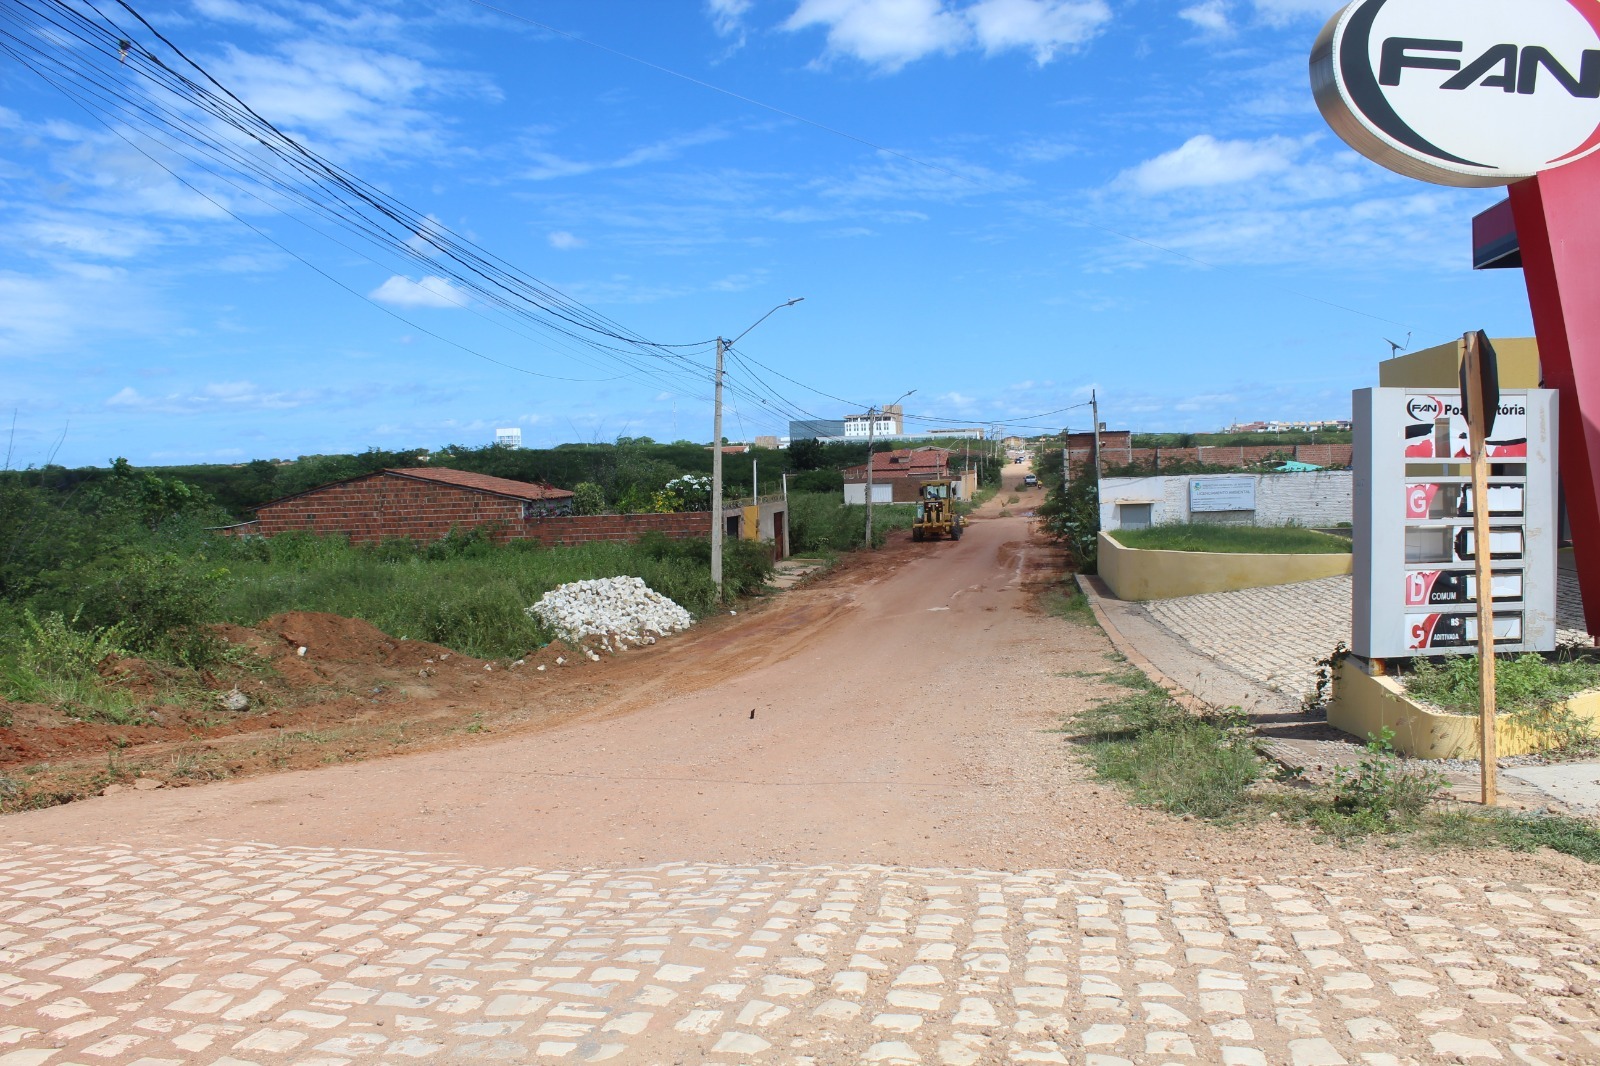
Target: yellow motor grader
x=936, y=513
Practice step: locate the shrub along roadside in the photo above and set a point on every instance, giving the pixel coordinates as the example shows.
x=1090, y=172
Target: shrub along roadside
x=823, y=523
x=1206, y=765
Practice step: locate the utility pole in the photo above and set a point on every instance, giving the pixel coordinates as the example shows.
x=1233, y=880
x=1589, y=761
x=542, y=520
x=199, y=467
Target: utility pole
x=1094, y=409
x=716, y=449
x=716, y=476
x=872, y=422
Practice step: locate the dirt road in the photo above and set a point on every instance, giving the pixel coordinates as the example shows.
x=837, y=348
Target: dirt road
x=901, y=714
x=895, y=860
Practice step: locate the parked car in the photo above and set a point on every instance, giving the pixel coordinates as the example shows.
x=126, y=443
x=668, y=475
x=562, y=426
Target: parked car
x=1018, y=459
x=1030, y=480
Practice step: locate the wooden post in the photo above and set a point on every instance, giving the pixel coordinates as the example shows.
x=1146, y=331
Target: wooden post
x=1483, y=564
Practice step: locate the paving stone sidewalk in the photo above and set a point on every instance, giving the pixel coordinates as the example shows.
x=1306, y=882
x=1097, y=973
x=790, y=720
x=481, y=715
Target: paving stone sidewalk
x=1276, y=635
x=239, y=954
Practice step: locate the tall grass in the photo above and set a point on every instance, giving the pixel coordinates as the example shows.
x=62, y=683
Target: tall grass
x=823, y=523
x=469, y=596
x=1207, y=537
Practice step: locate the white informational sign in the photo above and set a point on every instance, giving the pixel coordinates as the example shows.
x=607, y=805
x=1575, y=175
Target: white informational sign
x=1462, y=92
x=1222, y=494
x=1416, y=592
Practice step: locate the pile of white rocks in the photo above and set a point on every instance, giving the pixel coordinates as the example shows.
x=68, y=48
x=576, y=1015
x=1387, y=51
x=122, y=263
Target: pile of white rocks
x=612, y=612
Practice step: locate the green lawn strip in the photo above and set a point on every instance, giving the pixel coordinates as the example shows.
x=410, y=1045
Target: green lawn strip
x=1206, y=537
x=1207, y=766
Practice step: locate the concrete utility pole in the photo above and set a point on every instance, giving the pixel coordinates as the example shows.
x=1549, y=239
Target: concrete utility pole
x=1094, y=410
x=872, y=422
x=716, y=449
x=716, y=476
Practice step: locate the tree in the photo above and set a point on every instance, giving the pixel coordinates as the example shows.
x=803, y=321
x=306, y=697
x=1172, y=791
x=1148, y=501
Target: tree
x=806, y=454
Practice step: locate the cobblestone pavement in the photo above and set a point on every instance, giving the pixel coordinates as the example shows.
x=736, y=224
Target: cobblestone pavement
x=230, y=955
x=1276, y=635
x=1272, y=635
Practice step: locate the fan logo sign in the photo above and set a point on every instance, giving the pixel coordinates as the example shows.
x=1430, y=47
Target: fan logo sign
x=1463, y=92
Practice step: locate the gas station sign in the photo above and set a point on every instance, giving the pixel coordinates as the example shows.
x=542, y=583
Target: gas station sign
x=1416, y=592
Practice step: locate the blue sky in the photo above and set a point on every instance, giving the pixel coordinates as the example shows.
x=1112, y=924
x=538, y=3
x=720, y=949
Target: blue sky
x=1126, y=195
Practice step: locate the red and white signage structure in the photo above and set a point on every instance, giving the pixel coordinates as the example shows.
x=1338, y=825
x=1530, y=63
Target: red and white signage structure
x=1498, y=92
x=1416, y=592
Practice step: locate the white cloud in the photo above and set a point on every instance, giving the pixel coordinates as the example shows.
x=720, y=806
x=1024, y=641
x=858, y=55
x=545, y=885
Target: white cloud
x=1209, y=15
x=563, y=241
x=230, y=396
x=87, y=236
x=431, y=291
x=1042, y=26
x=361, y=101
x=548, y=165
x=248, y=14
x=891, y=33
x=1204, y=160
x=727, y=17
x=1279, y=12
x=885, y=33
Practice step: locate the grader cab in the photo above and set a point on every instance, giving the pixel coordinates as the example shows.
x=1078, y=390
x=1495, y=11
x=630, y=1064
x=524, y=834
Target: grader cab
x=936, y=514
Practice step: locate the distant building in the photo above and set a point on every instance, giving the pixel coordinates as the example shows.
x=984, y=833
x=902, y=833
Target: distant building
x=888, y=422
x=508, y=438
x=768, y=442
x=817, y=429
x=1324, y=426
x=963, y=433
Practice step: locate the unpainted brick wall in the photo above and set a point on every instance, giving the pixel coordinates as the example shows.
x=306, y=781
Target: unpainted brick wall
x=372, y=508
x=1330, y=455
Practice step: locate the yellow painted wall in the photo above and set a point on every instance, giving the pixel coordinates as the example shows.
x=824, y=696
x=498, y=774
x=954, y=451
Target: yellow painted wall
x=1439, y=367
x=1139, y=574
x=1363, y=705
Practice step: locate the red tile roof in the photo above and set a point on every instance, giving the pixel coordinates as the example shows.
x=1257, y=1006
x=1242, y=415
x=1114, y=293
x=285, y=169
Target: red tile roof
x=499, y=486
x=904, y=462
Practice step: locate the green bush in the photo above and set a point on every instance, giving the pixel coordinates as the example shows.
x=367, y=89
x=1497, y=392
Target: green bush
x=158, y=603
x=1381, y=793
x=588, y=498
x=1072, y=516
x=56, y=662
x=826, y=482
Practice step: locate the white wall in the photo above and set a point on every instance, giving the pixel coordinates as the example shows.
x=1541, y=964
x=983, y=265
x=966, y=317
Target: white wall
x=1315, y=498
x=857, y=493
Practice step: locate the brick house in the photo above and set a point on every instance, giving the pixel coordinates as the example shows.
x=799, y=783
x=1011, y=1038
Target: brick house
x=423, y=504
x=427, y=503
x=897, y=476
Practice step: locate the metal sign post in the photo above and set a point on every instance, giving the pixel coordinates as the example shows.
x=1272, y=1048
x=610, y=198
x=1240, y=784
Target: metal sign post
x=1481, y=395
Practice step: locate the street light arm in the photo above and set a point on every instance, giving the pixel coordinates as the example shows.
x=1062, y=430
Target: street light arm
x=763, y=318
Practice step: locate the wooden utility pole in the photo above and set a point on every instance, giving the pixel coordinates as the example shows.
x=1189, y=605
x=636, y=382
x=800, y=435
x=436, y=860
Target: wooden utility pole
x=716, y=475
x=1478, y=420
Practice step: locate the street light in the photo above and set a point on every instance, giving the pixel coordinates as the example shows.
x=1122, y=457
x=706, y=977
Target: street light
x=716, y=449
x=872, y=422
